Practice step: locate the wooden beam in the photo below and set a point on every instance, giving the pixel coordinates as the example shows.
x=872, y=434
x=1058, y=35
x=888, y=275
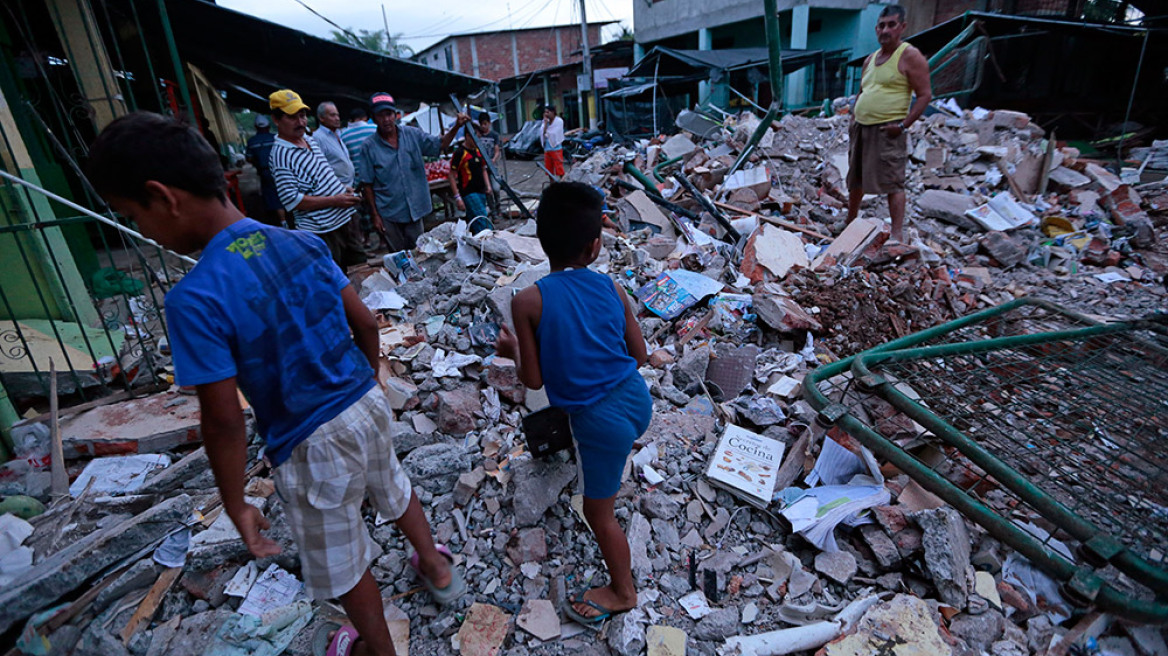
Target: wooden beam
x=60, y=478
x=776, y=221
x=150, y=604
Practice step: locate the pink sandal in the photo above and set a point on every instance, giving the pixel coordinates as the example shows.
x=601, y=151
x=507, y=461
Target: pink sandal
x=452, y=592
x=342, y=643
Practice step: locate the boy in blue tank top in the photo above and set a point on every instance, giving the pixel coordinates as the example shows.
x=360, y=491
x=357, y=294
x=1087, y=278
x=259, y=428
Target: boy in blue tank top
x=267, y=309
x=576, y=336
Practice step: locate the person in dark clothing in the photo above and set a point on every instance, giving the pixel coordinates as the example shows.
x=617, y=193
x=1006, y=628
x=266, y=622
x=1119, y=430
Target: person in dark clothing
x=259, y=147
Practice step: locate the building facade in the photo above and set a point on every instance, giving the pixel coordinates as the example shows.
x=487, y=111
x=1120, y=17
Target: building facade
x=503, y=54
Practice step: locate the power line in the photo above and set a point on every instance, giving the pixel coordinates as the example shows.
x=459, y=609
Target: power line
x=343, y=30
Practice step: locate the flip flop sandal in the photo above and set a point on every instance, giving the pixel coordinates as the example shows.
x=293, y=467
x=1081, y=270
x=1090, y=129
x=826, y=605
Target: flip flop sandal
x=593, y=622
x=341, y=644
x=452, y=592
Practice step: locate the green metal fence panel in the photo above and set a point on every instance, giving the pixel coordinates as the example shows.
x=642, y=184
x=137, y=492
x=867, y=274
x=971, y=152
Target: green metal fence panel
x=1031, y=412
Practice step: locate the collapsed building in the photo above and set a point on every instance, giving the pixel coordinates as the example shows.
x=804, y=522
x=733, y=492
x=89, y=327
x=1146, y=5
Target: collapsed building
x=754, y=291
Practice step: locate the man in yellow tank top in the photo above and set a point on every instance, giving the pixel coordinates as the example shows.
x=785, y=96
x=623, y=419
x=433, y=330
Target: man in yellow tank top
x=879, y=148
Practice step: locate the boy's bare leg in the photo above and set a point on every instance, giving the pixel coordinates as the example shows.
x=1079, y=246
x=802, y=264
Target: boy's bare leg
x=363, y=606
x=416, y=528
x=621, y=593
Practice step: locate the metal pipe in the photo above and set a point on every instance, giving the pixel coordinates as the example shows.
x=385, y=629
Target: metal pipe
x=775, y=58
x=657, y=169
x=953, y=44
x=709, y=205
x=91, y=214
x=180, y=74
x=1132, y=99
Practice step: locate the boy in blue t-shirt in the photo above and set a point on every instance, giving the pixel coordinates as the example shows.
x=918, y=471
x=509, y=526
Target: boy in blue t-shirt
x=576, y=336
x=267, y=309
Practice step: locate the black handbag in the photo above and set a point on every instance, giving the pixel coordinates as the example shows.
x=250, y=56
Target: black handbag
x=547, y=431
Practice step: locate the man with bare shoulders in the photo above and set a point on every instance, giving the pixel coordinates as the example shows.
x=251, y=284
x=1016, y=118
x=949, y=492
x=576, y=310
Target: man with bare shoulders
x=879, y=146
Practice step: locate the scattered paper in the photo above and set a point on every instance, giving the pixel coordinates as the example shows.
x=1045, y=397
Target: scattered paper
x=273, y=589
x=390, y=300
x=1111, y=276
x=673, y=292
x=244, y=578
x=446, y=365
x=816, y=512
x=121, y=474
x=696, y=605
x=1002, y=213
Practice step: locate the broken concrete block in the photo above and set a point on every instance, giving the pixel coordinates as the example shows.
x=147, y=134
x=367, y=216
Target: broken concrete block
x=947, y=206
x=903, y=625
x=483, y=631
x=640, y=535
x=644, y=210
x=691, y=370
x=528, y=545
x=856, y=237
x=1065, y=179
x=503, y=376
x=148, y=425
x=70, y=567
x=883, y=548
x=782, y=313
x=757, y=179
x=718, y=625
x=665, y=641
x=457, y=409
x=1104, y=178
x=537, y=487
x=839, y=566
x=399, y=391
x=626, y=633
x=678, y=145
x=946, y=544
x=1007, y=119
x=1006, y=250
x=436, y=467
x=774, y=249
x=744, y=199
x=978, y=631
x=538, y=617
x=468, y=484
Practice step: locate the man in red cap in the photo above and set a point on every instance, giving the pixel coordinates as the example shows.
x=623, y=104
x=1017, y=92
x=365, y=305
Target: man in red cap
x=393, y=176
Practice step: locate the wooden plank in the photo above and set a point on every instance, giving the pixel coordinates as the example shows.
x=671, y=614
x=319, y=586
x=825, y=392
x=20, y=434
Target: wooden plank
x=775, y=220
x=854, y=237
x=1013, y=183
x=150, y=604
x=60, y=478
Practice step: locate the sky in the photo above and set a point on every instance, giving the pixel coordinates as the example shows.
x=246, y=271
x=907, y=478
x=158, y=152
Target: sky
x=427, y=22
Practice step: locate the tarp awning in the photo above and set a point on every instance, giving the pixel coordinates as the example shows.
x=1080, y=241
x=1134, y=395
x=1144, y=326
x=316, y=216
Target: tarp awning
x=669, y=62
x=254, y=57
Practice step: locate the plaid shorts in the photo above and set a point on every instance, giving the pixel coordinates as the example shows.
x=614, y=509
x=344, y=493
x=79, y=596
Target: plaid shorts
x=323, y=484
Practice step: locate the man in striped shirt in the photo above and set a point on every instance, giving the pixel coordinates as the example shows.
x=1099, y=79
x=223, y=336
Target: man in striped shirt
x=359, y=129
x=307, y=186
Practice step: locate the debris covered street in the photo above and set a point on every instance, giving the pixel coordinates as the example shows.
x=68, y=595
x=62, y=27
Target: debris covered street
x=143, y=561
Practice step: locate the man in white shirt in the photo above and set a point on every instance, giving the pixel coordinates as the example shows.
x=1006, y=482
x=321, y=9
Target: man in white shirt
x=552, y=139
x=328, y=137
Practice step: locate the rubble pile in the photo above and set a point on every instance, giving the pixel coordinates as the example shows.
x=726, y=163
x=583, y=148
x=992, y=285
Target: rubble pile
x=144, y=561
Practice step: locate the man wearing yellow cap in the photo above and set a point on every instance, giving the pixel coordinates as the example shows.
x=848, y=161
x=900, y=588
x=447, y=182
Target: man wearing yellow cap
x=879, y=145
x=306, y=184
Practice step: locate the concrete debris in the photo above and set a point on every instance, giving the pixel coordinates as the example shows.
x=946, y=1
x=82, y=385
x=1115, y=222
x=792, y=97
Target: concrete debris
x=750, y=318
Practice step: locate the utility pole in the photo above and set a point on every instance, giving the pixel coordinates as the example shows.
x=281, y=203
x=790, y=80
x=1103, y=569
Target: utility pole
x=590, y=84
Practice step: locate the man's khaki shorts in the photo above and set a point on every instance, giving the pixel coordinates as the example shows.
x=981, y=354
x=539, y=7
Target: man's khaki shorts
x=323, y=484
x=876, y=161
